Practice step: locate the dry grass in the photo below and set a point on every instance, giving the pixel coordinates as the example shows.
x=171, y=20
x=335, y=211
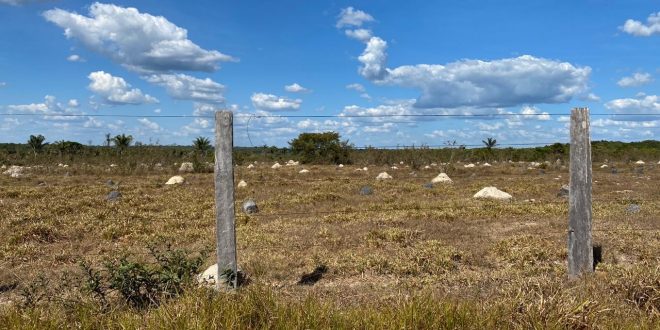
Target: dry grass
x=406, y=256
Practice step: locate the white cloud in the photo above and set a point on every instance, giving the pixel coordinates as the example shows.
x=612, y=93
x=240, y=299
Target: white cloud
x=115, y=90
x=116, y=125
x=73, y=103
x=530, y=112
x=50, y=108
x=185, y=87
x=356, y=87
x=205, y=109
x=640, y=29
x=296, y=88
x=19, y=2
x=146, y=123
x=270, y=102
x=359, y=34
x=637, y=79
x=75, y=58
x=138, y=41
x=157, y=111
x=352, y=17
x=475, y=83
x=591, y=97
x=92, y=123
x=648, y=104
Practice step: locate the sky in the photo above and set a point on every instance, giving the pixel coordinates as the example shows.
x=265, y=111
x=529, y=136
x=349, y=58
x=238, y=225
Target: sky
x=117, y=67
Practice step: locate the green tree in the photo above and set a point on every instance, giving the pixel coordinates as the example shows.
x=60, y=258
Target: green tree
x=490, y=143
x=202, y=145
x=122, y=142
x=36, y=143
x=324, y=147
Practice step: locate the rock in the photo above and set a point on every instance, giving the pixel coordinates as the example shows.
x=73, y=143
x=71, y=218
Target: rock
x=242, y=184
x=534, y=164
x=341, y=165
x=428, y=185
x=401, y=163
x=441, y=178
x=113, y=165
x=250, y=207
x=486, y=165
x=633, y=208
x=209, y=276
x=492, y=193
x=603, y=166
x=292, y=163
x=303, y=171
x=365, y=169
x=640, y=162
x=15, y=171
x=563, y=191
x=434, y=164
x=113, y=196
x=394, y=168
x=186, y=167
x=639, y=170
x=250, y=166
x=177, y=179
x=614, y=170
x=276, y=166
x=468, y=165
x=110, y=183
x=427, y=167
x=366, y=190
x=42, y=184
x=3, y=167
x=383, y=176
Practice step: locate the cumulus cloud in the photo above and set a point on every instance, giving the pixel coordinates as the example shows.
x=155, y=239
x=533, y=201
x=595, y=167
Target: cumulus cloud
x=530, y=112
x=138, y=41
x=359, y=34
x=75, y=58
x=352, y=17
x=640, y=29
x=270, y=102
x=148, y=124
x=475, y=83
x=637, y=79
x=92, y=123
x=296, y=88
x=115, y=90
x=644, y=104
x=73, y=103
x=185, y=87
x=50, y=107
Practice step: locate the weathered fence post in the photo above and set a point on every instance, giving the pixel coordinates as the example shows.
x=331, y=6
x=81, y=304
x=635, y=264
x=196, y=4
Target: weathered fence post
x=224, y=200
x=580, y=249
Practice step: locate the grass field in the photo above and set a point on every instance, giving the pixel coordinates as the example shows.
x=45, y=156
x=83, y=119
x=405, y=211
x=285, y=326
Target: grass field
x=407, y=256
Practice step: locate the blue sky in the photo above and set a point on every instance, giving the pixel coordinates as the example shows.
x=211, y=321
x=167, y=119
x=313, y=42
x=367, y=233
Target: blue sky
x=307, y=58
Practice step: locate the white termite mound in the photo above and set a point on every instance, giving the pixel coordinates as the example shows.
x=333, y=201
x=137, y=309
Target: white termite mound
x=486, y=165
x=250, y=166
x=186, y=167
x=15, y=171
x=291, y=162
x=303, y=171
x=442, y=178
x=383, y=176
x=242, y=184
x=640, y=162
x=177, y=179
x=468, y=165
x=276, y=166
x=492, y=193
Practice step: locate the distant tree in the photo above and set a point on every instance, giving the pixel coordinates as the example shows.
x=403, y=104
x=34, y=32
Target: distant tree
x=202, y=145
x=321, y=148
x=66, y=147
x=36, y=143
x=490, y=143
x=122, y=142
x=108, y=139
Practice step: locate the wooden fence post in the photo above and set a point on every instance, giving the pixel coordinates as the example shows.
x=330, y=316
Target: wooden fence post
x=580, y=249
x=224, y=200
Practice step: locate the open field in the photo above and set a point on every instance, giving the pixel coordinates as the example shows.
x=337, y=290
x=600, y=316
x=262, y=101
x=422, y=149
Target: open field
x=405, y=256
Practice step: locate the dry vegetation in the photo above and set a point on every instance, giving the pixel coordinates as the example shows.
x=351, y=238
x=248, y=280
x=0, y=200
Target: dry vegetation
x=405, y=257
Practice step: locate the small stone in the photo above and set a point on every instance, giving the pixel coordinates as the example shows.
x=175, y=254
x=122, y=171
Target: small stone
x=633, y=208
x=639, y=170
x=250, y=166
x=242, y=184
x=303, y=171
x=276, y=166
x=469, y=165
x=563, y=191
x=109, y=183
x=603, y=166
x=428, y=185
x=614, y=170
x=113, y=196
x=250, y=207
x=366, y=190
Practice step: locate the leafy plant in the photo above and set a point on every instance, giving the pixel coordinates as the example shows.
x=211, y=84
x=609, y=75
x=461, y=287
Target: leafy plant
x=321, y=148
x=36, y=143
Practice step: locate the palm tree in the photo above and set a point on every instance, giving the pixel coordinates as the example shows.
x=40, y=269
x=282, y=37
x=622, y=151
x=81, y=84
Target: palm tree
x=122, y=142
x=202, y=145
x=36, y=143
x=490, y=143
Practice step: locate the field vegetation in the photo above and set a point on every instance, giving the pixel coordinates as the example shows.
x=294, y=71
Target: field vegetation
x=409, y=255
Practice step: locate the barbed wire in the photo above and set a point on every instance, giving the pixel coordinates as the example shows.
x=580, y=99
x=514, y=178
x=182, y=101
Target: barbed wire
x=330, y=116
